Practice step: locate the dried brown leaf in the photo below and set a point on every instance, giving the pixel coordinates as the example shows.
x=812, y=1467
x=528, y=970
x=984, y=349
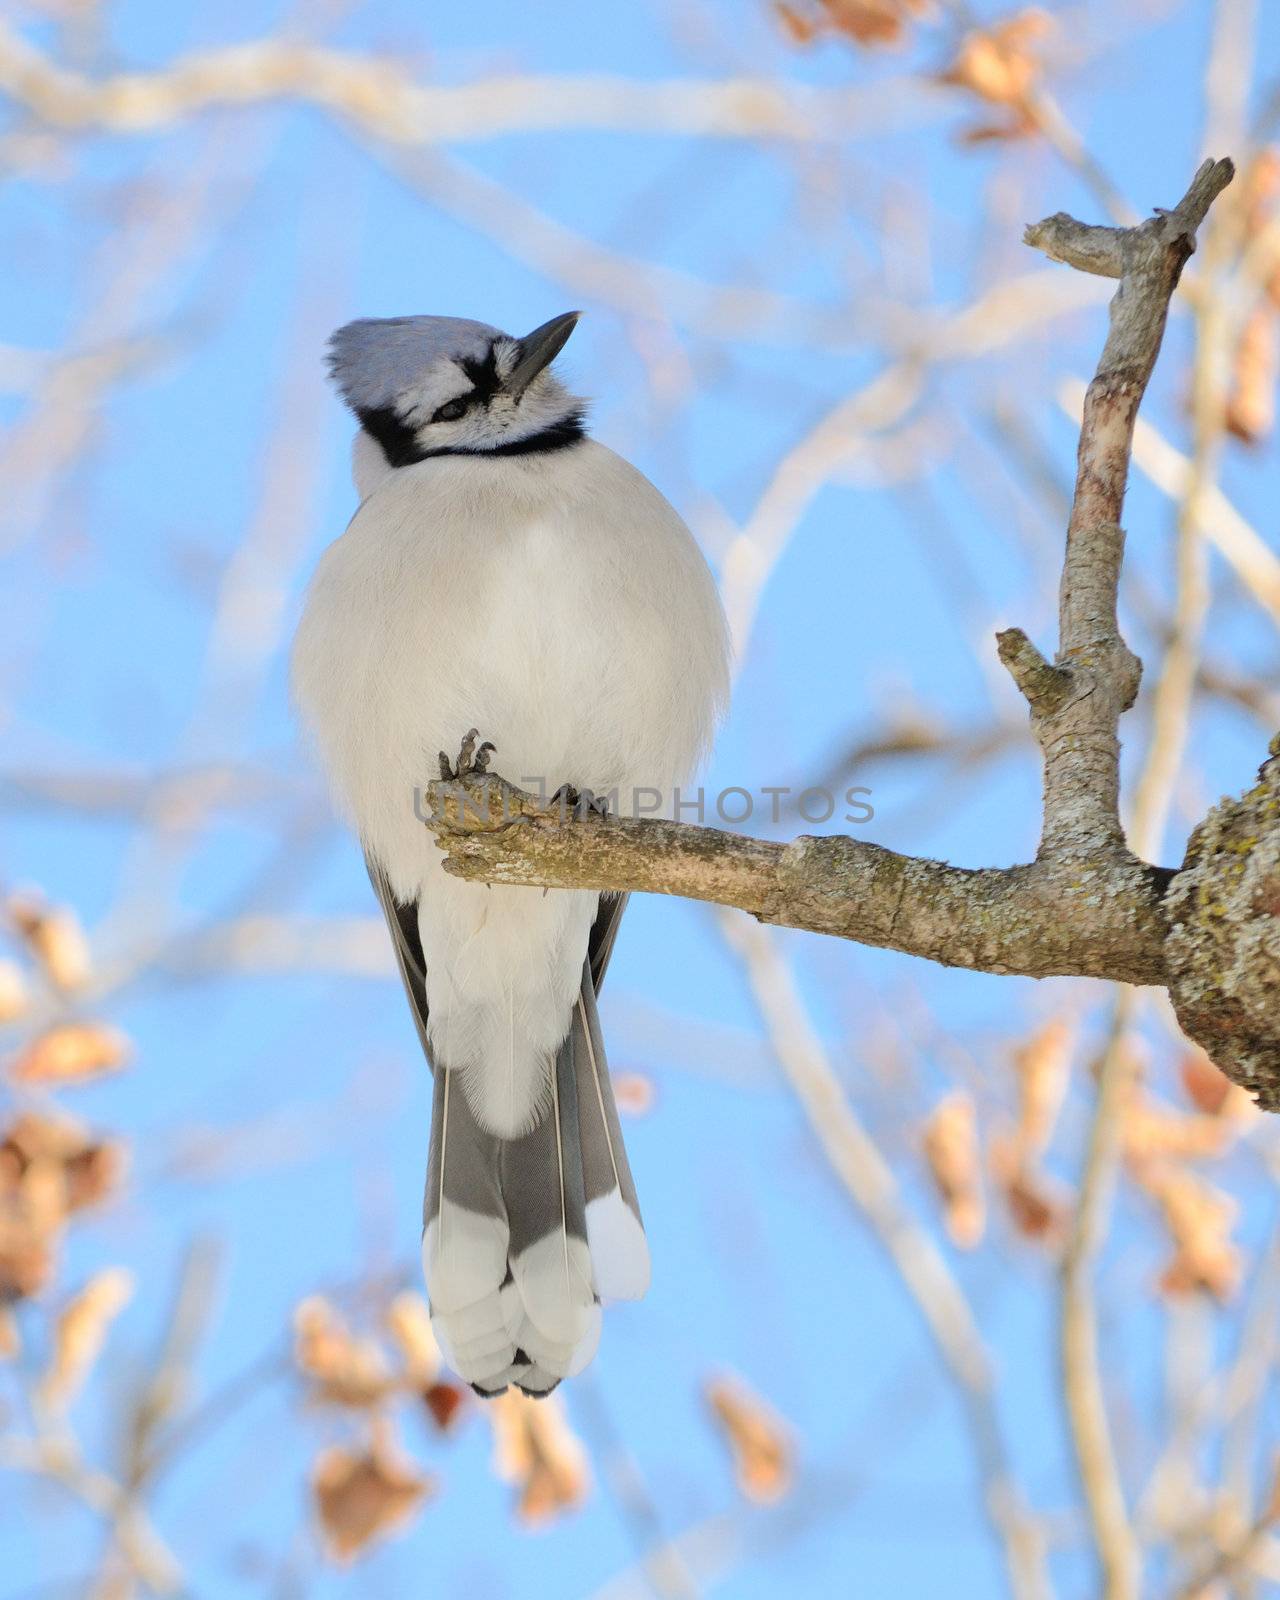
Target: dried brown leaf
x=800, y=28
x=1043, y=1068
x=26, y=1256
x=1199, y=1219
x=999, y=66
x=408, y=1321
x=1207, y=1087
x=1251, y=399
x=1261, y=188
x=13, y=992
x=40, y=1154
x=42, y=1195
x=54, y=937
x=535, y=1449
x=950, y=1141
x=49, y=1168
x=1152, y=1130
x=760, y=1446
x=1036, y=1207
x=93, y=1173
x=362, y=1496
x=444, y=1401
x=634, y=1093
x=80, y=1333
x=71, y=1052
x=868, y=23
x=1261, y=192
x=1037, y=1204
x=347, y=1371
x=1271, y=1506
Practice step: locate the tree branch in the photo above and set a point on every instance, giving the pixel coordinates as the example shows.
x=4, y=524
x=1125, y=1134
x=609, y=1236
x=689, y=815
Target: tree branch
x=1042, y=919
x=377, y=94
x=1076, y=725
x=1086, y=906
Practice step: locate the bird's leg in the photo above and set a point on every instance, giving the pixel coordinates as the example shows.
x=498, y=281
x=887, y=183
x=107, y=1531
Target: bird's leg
x=470, y=760
x=581, y=803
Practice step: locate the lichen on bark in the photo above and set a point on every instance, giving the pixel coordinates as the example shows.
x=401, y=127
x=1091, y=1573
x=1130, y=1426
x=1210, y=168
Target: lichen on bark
x=1223, y=949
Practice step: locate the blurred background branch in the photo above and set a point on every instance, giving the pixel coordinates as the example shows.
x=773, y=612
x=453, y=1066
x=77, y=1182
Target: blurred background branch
x=879, y=1194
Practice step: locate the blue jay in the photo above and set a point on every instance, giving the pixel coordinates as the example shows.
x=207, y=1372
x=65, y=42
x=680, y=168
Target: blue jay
x=504, y=572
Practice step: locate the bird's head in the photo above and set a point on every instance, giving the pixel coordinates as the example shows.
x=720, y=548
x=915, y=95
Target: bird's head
x=431, y=386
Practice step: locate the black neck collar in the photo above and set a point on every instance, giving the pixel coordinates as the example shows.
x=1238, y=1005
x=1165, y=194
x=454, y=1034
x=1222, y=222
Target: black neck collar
x=400, y=447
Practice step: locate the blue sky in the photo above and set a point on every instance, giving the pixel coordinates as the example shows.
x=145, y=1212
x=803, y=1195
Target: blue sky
x=220, y=437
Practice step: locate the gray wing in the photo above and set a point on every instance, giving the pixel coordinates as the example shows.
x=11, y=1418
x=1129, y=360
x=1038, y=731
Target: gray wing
x=402, y=923
x=604, y=931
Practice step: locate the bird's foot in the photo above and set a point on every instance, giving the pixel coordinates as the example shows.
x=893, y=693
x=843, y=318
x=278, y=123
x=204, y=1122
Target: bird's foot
x=471, y=759
x=578, y=803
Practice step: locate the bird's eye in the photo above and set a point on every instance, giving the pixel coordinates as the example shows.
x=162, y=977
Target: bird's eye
x=450, y=411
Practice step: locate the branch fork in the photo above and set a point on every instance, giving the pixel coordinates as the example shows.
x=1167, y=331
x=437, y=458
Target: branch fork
x=1076, y=702
x=1086, y=905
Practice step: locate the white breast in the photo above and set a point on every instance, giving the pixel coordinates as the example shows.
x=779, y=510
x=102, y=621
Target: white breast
x=557, y=603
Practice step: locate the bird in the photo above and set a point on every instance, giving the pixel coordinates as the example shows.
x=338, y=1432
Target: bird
x=504, y=576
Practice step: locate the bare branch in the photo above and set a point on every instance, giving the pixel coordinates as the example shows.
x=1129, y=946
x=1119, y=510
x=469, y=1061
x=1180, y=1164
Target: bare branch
x=1085, y=246
x=1040, y=920
x=869, y=1180
x=1245, y=551
x=1083, y=1390
x=1086, y=906
x=377, y=94
x=1078, y=730
x=1081, y=746
x=1224, y=950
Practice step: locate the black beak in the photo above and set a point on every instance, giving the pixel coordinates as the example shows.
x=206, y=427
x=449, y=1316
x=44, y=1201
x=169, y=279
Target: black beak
x=538, y=350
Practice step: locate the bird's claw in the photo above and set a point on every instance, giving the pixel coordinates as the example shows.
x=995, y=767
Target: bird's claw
x=581, y=803
x=470, y=759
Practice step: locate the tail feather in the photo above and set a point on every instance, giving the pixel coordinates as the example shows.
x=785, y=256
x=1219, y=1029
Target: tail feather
x=615, y=1230
x=542, y=1184
x=524, y=1236
x=466, y=1239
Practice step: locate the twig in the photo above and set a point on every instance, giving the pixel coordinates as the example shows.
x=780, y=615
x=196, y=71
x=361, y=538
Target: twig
x=1052, y=917
x=377, y=94
x=1170, y=716
x=1118, y=1547
x=1082, y=797
x=1067, y=142
x=990, y=322
x=1076, y=704
x=1239, y=543
x=1238, y=1558
x=660, y=1557
x=166, y=1388
x=1083, y=1390
x=868, y=1178
x=59, y=1459
x=588, y=269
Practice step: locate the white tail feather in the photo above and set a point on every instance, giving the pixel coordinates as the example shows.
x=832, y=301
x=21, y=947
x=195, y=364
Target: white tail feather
x=619, y=1249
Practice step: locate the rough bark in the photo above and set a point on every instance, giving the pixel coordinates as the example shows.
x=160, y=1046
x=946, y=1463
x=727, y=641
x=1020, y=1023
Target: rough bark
x=1100, y=918
x=1224, y=939
x=1086, y=905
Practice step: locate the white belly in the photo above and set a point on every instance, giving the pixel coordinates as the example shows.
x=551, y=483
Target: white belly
x=564, y=612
